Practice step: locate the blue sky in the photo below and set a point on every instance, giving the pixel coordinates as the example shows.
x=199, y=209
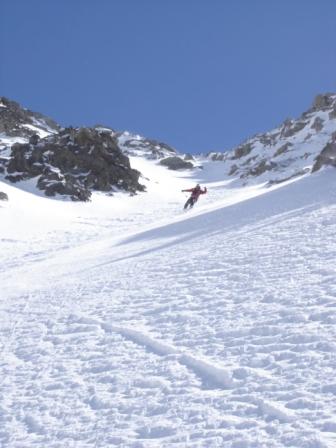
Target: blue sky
x=200, y=75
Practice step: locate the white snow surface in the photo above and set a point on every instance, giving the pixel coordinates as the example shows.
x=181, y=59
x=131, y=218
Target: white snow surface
x=127, y=322
x=40, y=132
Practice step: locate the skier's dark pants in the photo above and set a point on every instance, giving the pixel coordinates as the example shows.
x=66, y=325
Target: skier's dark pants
x=190, y=202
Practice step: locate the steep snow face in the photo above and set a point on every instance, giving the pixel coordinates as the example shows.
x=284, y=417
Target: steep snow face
x=128, y=322
x=287, y=151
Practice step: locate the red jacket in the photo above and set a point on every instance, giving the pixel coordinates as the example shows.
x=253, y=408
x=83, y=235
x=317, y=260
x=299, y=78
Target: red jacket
x=196, y=192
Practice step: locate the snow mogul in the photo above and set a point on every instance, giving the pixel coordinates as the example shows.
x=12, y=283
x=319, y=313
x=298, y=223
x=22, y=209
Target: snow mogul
x=195, y=194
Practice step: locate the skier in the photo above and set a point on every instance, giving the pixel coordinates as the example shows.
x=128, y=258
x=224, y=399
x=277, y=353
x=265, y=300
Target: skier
x=195, y=194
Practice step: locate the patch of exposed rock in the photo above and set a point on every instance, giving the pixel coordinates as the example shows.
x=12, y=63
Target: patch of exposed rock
x=140, y=146
x=322, y=102
x=3, y=196
x=242, y=150
x=317, y=124
x=217, y=156
x=291, y=127
x=15, y=121
x=260, y=168
x=290, y=149
x=176, y=163
x=284, y=148
x=327, y=156
x=73, y=163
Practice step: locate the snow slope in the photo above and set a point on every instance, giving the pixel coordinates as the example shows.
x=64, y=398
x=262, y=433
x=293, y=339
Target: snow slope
x=127, y=322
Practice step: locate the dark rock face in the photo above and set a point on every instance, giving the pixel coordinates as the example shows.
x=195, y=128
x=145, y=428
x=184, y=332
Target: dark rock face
x=318, y=124
x=280, y=153
x=176, y=163
x=291, y=127
x=242, y=151
x=261, y=168
x=217, y=156
x=74, y=162
x=268, y=139
x=3, y=196
x=233, y=169
x=284, y=148
x=322, y=102
x=326, y=157
x=14, y=120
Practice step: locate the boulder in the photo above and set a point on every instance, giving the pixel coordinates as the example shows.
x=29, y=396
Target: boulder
x=3, y=196
x=176, y=163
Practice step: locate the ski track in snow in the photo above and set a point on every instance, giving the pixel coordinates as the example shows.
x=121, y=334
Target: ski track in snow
x=216, y=329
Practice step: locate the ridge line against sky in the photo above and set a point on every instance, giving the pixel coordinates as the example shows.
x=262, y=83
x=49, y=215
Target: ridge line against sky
x=199, y=75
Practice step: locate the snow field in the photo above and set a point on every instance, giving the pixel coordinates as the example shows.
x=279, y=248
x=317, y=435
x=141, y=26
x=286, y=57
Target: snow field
x=143, y=326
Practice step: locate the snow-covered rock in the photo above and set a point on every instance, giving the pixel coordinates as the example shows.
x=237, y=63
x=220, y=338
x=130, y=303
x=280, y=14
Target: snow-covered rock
x=293, y=149
x=73, y=163
x=18, y=122
x=136, y=145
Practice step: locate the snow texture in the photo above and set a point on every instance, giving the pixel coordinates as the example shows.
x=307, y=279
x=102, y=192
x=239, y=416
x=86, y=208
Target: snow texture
x=127, y=322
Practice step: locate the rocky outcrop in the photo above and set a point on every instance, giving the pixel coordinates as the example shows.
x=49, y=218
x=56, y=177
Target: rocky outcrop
x=3, y=196
x=317, y=124
x=135, y=145
x=322, y=102
x=176, y=163
x=326, y=157
x=284, y=148
x=73, y=163
x=15, y=121
x=217, y=156
x=291, y=127
x=234, y=168
x=260, y=168
x=242, y=151
x=289, y=150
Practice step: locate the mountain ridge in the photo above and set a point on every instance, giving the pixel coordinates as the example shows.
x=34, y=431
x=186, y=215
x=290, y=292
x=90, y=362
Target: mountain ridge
x=35, y=147
x=296, y=147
